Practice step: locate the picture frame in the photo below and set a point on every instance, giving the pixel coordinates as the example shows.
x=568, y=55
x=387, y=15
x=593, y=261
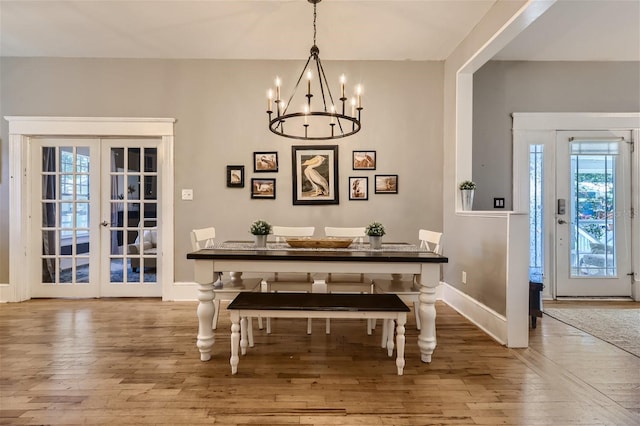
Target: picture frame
x=235, y=176
x=386, y=184
x=263, y=188
x=315, y=174
x=363, y=160
x=358, y=188
x=265, y=162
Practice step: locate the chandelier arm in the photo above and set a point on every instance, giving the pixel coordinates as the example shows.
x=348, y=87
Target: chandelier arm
x=323, y=76
x=295, y=89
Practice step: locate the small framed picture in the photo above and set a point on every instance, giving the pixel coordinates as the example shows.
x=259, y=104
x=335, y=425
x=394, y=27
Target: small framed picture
x=263, y=188
x=235, y=176
x=364, y=160
x=265, y=162
x=386, y=184
x=358, y=188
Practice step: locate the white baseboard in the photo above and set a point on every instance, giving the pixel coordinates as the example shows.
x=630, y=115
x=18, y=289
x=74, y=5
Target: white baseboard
x=485, y=318
x=6, y=293
x=182, y=292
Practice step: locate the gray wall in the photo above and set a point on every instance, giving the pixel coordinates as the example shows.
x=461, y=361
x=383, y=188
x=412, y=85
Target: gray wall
x=503, y=87
x=219, y=107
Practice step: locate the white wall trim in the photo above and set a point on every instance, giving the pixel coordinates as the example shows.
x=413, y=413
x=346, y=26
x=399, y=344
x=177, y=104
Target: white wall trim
x=485, y=318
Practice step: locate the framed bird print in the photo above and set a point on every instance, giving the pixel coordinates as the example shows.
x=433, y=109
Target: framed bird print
x=235, y=176
x=315, y=174
x=263, y=188
x=364, y=160
x=386, y=184
x=265, y=162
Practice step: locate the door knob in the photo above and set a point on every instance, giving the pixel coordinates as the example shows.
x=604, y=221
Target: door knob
x=562, y=221
x=104, y=223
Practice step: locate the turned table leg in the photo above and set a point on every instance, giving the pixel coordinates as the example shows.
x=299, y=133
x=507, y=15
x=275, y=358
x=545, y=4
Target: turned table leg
x=206, y=310
x=428, y=280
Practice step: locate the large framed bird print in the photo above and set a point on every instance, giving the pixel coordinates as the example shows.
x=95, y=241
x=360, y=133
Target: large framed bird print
x=315, y=174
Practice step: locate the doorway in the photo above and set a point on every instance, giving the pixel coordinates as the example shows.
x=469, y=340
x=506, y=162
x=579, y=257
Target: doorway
x=95, y=217
x=579, y=192
x=88, y=194
x=593, y=214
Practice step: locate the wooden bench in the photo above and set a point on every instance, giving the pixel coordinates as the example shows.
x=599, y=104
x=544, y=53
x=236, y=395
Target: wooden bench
x=388, y=307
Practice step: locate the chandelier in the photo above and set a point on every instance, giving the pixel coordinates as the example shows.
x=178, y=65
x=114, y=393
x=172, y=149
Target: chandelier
x=317, y=120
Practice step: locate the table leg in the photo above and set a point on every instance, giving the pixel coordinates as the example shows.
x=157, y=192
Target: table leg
x=205, y=313
x=400, y=340
x=204, y=276
x=235, y=341
x=428, y=280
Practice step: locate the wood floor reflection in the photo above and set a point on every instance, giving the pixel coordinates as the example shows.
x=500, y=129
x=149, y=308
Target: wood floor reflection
x=134, y=361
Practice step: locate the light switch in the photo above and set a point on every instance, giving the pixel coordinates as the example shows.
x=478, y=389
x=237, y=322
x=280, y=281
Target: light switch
x=498, y=203
x=187, y=194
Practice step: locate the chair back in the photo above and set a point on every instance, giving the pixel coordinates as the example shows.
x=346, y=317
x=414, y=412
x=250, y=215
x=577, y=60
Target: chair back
x=282, y=232
x=356, y=233
x=430, y=240
x=202, y=238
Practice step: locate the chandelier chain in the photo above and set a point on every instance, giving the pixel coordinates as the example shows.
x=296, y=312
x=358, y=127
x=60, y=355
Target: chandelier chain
x=314, y=23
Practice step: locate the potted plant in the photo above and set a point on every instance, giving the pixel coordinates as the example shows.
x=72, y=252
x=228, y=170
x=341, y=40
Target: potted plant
x=375, y=231
x=260, y=229
x=467, y=189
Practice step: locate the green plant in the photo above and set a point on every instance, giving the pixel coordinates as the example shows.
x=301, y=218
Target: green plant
x=260, y=227
x=467, y=184
x=375, y=229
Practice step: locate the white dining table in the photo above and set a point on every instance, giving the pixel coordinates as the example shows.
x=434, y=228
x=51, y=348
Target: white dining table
x=392, y=258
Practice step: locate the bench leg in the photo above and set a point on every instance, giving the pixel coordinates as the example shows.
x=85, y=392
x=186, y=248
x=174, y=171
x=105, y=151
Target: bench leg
x=250, y=331
x=400, y=340
x=235, y=342
x=390, y=333
x=243, y=335
x=383, y=343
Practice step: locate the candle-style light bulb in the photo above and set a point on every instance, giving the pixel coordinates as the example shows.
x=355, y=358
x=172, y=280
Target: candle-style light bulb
x=269, y=99
x=277, y=88
x=353, y=107
x=343, y=80
x=333, y=111
x=359, y=93
x=306, y=113
x=309, y=76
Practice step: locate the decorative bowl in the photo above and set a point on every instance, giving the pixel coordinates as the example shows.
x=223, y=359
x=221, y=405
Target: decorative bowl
x=328, y=242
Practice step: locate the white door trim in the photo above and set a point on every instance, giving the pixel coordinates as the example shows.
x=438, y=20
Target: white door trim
x=22, y=129
x=542, y=128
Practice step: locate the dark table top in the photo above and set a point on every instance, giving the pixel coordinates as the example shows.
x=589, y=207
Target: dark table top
x=286, y=254
x=319, y=302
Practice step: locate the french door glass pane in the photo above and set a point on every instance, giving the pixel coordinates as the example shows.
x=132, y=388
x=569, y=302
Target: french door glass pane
x=593, y=190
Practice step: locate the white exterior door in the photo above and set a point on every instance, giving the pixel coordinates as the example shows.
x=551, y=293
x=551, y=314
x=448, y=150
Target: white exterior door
x=91, y=198
x=593, y=213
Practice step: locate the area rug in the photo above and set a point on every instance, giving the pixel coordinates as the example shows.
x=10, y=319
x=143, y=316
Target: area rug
x=620, y=327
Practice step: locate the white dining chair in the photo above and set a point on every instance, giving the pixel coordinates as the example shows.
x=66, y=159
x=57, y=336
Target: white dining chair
x=409, y=290
x=289, y=281
x=225, y=290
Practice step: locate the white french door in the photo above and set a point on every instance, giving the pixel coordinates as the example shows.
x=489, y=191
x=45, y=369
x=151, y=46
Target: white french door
x=593, y=213
x=94, y=217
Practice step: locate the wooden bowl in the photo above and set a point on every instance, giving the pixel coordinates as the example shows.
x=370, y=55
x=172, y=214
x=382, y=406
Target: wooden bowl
x=309, y=242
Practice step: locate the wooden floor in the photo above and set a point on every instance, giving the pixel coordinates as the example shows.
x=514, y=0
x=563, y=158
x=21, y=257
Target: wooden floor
x=135, y=362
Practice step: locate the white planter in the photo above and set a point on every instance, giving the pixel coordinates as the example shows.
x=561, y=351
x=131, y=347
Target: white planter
x=467, y=198
x=375, y=242
x=261, y=241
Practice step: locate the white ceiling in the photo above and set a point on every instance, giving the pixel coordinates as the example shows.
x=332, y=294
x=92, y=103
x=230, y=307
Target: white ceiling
x=282, y=29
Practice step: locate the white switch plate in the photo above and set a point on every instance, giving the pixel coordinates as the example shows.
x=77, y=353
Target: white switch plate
x=187, y=194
